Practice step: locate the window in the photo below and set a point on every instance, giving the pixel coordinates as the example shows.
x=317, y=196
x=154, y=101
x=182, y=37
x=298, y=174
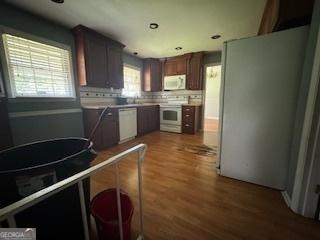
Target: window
x=36, y=69
x=132, y=82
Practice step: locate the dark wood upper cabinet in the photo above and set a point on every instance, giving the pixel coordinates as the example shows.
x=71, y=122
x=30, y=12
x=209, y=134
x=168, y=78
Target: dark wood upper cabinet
x=181, y=66
x=115, y=66
x=195, y=71
x=170, y=68
x=152, y=75
x=190, y=64
x=95, y=61
x=99, y=59
x=284, y=14
x=176, y=65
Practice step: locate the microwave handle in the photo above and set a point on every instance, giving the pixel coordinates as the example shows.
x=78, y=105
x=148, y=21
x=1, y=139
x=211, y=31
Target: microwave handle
x=181, y=80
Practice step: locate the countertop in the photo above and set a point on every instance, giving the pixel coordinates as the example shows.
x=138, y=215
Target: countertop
x=118, y=106
x=192, y=104
x=102, y=106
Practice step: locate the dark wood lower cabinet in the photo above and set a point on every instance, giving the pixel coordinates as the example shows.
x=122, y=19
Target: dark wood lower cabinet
x=191, y=119
x=110, y=128
x=107, y=133
x=5, y=131
x=148, y=118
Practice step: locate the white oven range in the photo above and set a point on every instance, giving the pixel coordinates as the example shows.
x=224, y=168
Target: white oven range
x=171, y=114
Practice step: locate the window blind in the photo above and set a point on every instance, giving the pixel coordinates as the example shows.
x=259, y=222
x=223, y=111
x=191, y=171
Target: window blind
x=132, y=82
x=37, y=69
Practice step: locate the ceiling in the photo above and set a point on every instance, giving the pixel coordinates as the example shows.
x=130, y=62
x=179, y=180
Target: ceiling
x=185, y=23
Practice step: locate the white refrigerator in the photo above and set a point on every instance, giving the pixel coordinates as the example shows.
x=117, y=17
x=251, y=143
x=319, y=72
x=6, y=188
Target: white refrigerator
x=259, y=93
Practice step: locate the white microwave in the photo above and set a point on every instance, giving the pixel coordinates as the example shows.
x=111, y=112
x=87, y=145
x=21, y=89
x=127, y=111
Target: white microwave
x=176, y=82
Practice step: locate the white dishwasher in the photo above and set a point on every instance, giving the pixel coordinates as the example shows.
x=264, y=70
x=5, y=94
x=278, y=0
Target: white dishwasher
x=127, y=123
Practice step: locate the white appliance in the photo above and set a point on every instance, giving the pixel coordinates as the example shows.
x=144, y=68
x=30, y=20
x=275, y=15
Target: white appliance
x=170, y=118
x=176, y=82
x=259, y=92
x=127, y=123
x=171, y=114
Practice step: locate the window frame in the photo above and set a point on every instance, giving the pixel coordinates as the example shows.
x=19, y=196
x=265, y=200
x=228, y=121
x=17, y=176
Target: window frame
x=135, y=68
x=8, y=84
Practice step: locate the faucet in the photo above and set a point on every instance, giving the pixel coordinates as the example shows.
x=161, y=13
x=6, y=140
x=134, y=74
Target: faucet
x=134, y=100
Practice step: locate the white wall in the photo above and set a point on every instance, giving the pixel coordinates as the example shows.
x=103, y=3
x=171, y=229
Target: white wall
x=213, y=78
x=304, y=166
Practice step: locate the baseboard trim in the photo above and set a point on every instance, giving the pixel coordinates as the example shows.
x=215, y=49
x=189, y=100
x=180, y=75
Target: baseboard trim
x=126, y=140
x=212, y=118
x=286, y=198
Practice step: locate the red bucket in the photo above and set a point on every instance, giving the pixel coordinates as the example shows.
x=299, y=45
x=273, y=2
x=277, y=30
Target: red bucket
x=104, y=209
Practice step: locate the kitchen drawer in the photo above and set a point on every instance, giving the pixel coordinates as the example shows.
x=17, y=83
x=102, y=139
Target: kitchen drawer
x=191, y=119
x=112, y=113
x=188, y=118
x=187, y=110
x=188, y=128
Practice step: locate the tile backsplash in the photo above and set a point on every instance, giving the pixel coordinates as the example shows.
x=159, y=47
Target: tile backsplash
x=90, y=95
x=194, y=96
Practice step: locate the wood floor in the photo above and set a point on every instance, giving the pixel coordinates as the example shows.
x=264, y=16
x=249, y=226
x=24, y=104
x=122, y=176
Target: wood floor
x=211, y=125
x=186, y=199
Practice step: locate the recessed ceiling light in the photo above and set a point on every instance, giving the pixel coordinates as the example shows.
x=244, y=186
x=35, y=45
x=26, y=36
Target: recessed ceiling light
x=153, y=25
x=216, y=36
x=135, y=53
x=58, y=1
x=178, y=48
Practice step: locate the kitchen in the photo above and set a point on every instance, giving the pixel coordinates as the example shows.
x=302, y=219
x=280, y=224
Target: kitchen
x=144, y=80
x=179, y=113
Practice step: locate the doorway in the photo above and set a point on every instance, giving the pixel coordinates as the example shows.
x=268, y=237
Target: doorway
x=211, y=102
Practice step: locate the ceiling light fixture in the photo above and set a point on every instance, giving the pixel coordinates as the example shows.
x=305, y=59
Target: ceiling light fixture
x=216, y=36
x=58, y=1
x=178, y=48
x=153, y=25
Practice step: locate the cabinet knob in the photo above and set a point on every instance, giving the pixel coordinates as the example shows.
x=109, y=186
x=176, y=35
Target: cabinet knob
x=187, y=125
x=187, y=115
x=187, y=109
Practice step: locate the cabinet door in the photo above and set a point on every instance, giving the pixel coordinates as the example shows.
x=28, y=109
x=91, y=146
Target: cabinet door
x=110, y=128
x=175, y=66
x=195, y=73
x=154, y=118
x=147, y=75
x=115, y=67
x=181, y=66
x=142, y=116
x=148, y=119
x=152, y=72
x=170, y=68
x=90, y=118
x=155, y=72
x=95, y=61
x=5, y=133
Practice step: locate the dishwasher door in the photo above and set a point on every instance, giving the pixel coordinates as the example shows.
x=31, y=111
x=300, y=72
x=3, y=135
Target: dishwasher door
x=127, y=123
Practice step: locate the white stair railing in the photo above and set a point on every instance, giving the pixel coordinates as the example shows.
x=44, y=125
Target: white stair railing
x=8, y=213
